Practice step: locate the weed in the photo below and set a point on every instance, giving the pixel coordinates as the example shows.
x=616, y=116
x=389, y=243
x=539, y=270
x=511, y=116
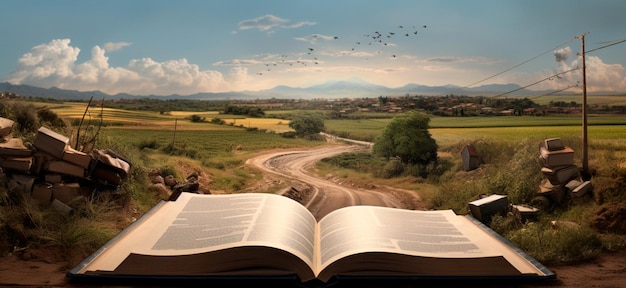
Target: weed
x=553, y=246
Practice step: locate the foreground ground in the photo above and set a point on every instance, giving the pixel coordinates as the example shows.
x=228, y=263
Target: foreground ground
x=46, y=267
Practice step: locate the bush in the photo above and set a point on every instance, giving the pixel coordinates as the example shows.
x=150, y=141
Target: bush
x=148, y=144
x=288, y=134
x=182, y=151
x=48, y=116
x=196, y=119
x=314, y=137
x=26, y=119
x=218, y=121
x=557, y=246
x=393, y=168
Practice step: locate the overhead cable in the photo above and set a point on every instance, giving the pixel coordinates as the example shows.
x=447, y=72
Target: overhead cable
x=535, y=83
x=520, y=64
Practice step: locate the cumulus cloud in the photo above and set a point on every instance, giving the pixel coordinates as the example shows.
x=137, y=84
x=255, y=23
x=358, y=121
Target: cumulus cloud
x=601, y=77
x=562, y=54
x=111, y=46
x=604, y=77
x=55, y=64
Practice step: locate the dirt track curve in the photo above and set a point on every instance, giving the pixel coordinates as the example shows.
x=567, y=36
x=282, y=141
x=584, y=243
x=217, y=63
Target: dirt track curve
x=321, y=195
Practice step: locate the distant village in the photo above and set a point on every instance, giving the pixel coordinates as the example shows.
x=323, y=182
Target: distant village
x=448, y=105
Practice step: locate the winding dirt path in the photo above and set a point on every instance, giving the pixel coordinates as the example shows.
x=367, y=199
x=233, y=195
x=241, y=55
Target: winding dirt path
x=320, y=195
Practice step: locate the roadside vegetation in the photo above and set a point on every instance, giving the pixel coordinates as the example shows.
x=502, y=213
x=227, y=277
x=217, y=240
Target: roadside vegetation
x=180, y=140
x=510, y=166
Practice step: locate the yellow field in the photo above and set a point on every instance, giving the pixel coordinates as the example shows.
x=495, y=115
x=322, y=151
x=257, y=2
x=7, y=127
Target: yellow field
x=134, y=119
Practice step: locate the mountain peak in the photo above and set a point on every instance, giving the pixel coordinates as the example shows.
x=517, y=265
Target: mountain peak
x=350, y=88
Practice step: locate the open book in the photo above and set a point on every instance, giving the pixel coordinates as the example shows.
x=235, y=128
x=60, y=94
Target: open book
x=269, y=235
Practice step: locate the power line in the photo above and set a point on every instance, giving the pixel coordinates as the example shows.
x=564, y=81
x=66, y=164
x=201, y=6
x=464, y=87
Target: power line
x=537, y=56
x=520, y=64
x=602, y=47
x=535, y=83
x=548, y=78
x=554, y=92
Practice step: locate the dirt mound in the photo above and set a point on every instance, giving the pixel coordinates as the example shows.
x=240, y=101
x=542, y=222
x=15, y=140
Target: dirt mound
x=610, y=218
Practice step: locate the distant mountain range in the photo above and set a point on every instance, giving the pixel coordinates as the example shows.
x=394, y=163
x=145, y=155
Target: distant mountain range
x=328, y=90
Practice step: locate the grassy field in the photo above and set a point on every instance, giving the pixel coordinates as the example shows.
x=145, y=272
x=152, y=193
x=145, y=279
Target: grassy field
x=151, y=120
x=449, y=130
x=169, y=142
x=599, y=100
x=204, y=139
x=207, y=139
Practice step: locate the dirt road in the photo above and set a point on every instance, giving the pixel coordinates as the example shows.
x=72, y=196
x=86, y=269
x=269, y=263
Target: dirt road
x=320, y=195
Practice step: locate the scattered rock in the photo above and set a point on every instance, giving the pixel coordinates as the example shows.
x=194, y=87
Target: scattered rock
x=170, y=181
x=294, y=194
x=160, y=189
x=158, y=179
x=556, y=225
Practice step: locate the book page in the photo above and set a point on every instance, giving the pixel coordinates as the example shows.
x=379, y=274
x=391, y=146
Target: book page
x=196, y=223
x=438, y=234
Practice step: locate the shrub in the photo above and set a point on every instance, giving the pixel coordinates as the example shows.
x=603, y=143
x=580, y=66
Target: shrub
x=148, y=144
x=393, y=168
x=26, y=119
x=554, y=246
x=314, y=137
x=48, y=116
x=182, y=151
x=218, y=121
x=196, y=119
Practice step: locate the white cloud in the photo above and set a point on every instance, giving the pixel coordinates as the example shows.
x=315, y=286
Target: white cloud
x=562, y=54
x=54, y=64
x=601, y=77
x=454, y=59
x=315, y=37
x=300, y=24
x=604, y=77
x=111, y=46
x=263, y=23
x=267, y=22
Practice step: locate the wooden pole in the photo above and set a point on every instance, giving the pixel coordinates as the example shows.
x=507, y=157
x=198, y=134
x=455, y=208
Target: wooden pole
x=585, y=169
x=174, y=140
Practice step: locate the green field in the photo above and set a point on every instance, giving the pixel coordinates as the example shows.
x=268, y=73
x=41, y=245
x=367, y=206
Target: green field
x=449, y=130
x=203, y=144
x=598, y=100
x=211, y=138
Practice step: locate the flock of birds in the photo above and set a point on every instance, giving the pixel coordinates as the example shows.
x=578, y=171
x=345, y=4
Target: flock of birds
x=377, y=39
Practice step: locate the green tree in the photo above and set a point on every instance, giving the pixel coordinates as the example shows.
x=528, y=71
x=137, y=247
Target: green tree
x=407, y=138
x=307, y=124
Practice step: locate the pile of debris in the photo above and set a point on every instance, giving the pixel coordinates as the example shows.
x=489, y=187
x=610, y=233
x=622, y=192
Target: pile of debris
x=562, y=179
x=52, y=172
x=168, y=187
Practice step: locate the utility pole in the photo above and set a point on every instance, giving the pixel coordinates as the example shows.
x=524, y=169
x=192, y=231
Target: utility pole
x=585, y=171
x=174, y=138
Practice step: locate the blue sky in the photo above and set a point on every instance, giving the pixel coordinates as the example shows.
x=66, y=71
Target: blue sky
x=164, y=47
